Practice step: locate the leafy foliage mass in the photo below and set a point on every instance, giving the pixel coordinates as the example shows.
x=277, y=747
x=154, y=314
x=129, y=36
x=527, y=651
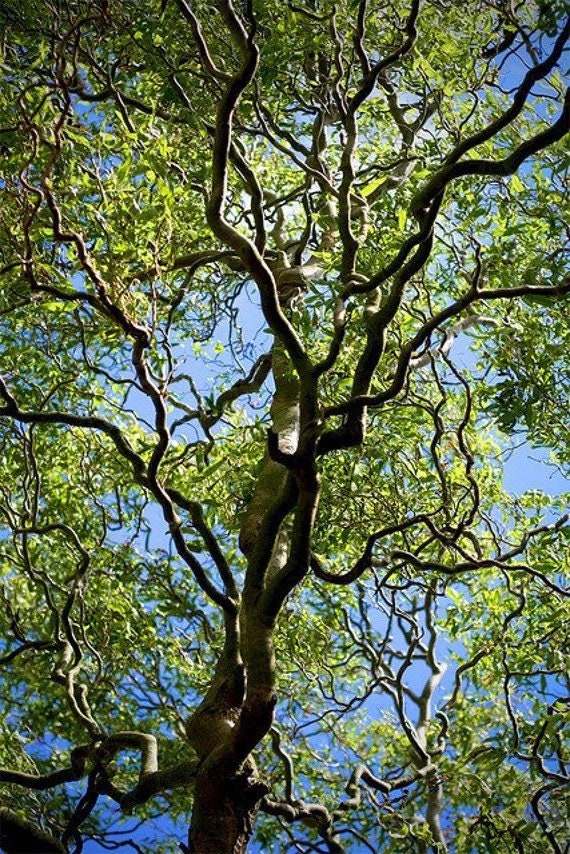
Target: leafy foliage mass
x=284, y=286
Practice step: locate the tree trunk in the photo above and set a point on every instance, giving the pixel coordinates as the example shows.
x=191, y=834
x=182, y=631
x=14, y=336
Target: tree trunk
x=238, y=709
x=224, y=812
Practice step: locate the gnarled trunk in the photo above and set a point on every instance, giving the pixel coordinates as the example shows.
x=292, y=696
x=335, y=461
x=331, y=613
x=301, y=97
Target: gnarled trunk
x=237, y=710
x=224, y=811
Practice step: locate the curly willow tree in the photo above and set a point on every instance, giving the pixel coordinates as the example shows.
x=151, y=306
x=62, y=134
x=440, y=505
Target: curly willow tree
x=283, y=286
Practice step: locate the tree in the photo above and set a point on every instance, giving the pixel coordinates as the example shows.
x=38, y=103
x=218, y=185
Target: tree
x=283, y=284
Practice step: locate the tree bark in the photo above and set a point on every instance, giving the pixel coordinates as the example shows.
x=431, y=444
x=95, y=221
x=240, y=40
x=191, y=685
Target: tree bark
x=19, y=836
x=237, y=710
x=224, y=811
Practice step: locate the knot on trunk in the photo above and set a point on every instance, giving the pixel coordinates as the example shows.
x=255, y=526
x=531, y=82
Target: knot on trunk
x=216, y=716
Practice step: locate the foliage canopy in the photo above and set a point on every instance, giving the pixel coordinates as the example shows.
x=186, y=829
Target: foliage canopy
x=283, y=285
